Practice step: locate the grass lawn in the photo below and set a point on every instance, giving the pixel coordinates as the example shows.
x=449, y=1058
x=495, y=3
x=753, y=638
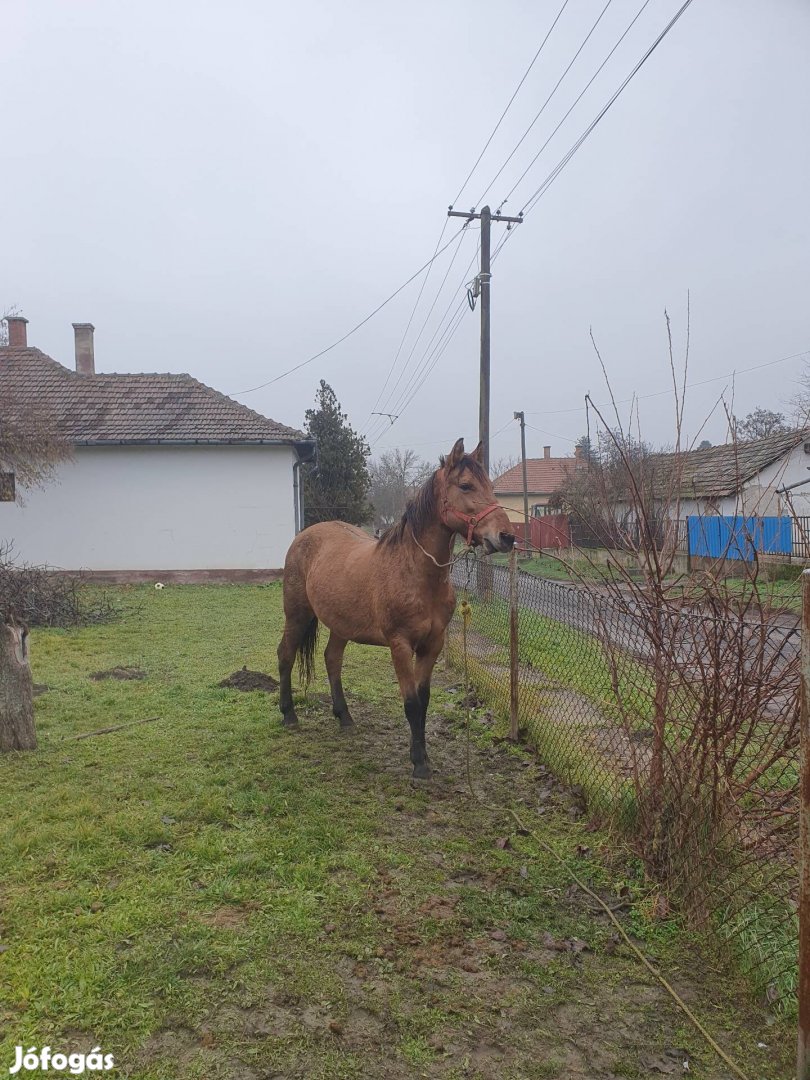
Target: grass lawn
x=780, y=595
x=563, y=568
x=209, y=896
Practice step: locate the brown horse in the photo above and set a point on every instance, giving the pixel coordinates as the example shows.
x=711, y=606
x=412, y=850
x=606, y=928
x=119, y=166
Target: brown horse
x=394, y=591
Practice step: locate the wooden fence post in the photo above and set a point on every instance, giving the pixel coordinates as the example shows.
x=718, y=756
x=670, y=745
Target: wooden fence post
x=803, y=1057
x=513, y=646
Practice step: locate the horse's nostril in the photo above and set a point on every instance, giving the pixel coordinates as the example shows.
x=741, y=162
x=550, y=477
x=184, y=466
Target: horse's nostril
x=508, y=539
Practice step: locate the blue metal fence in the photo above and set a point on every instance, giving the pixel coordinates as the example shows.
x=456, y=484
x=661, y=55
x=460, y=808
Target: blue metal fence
x=740, y=537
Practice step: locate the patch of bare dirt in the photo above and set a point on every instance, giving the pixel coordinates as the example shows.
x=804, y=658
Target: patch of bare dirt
x=122, y=674
x=228, y=917
x=250, y=680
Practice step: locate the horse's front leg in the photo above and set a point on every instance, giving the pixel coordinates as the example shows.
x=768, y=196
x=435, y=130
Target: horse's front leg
x=426, y=658
x=333, y=656
x=402, y=655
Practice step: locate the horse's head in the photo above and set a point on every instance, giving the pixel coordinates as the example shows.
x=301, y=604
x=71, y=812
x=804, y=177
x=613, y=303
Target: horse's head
x=468, y=503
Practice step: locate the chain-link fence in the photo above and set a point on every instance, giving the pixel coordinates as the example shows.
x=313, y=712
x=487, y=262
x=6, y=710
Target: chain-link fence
x=679, y=719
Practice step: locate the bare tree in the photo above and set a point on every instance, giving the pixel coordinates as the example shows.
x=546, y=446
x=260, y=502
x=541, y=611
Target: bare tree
x=394, y=478
x=12, y=310
x=30, y=449
x=760, y=423
x=711, y=675
x=502, y=464
x=600, y=498
x=31, y=445
x=799, y=403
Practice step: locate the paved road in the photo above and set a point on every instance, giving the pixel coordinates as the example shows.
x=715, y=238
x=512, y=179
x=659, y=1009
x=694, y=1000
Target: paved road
x=690, y=635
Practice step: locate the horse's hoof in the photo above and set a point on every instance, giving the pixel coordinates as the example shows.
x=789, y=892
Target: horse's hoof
x=422, y=772
x=290, y=723
x=347, y=725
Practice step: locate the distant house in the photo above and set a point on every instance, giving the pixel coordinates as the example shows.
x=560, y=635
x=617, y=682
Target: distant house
x=169, y=478
x=545, y=476
x=764, y=477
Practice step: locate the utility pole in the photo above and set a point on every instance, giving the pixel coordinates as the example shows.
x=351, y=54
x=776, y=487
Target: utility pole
x=486, y=217
x=522, y=418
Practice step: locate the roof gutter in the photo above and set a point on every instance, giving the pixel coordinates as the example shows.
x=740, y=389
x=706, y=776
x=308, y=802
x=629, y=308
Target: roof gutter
x=790, y=487
x=307, y=450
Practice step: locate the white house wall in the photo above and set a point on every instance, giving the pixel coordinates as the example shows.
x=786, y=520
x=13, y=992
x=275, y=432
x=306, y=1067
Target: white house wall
x=790, y=469
x=160, y=508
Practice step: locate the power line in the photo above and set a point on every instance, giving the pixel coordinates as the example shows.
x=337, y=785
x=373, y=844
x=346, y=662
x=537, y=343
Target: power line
x=428, y=362
x=509, y=103
x=530, y=204
x=441, y=442
x=533, y=199
x=408, y=325
x=455, y=200
x=434, y=357
x=390, y=397
x=354, y=329
x=671, y=390
x=545, y=103
x=425, y=366
x=448, y=335
x=551, y=434
x=577, y=100
x=405, y=395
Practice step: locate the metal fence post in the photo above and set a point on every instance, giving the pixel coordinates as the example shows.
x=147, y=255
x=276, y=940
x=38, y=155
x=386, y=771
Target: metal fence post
x=803, y=1057
x=513, y=646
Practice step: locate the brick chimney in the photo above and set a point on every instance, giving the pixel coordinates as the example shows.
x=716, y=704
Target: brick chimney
x=546, y=452
x=85, y=358
x=17, y=333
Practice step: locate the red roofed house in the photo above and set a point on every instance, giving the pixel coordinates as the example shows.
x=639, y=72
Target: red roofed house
x=545, y=475
x=169, y=479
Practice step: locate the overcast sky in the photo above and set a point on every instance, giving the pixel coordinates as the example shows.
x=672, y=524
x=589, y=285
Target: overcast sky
x=226, y=189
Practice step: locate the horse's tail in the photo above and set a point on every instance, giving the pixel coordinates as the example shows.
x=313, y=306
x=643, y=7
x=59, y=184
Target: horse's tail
x=306, y=653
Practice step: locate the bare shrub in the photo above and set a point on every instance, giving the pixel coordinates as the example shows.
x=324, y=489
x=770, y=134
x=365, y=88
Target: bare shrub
x=706, y=681
x=670, y=698
x=39, y=596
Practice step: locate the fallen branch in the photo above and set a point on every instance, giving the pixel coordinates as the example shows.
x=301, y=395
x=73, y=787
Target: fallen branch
x=107, y=730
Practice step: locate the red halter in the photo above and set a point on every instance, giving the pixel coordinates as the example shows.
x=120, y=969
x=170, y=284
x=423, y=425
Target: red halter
x=471, y=519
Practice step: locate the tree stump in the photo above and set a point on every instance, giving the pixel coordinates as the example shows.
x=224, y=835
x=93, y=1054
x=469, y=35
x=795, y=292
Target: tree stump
x=16, y=691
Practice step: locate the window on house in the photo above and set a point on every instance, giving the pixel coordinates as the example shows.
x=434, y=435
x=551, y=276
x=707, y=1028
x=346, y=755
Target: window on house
x=7, y=490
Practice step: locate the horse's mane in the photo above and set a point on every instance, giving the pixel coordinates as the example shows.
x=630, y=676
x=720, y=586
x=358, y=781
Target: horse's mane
x=421, y=510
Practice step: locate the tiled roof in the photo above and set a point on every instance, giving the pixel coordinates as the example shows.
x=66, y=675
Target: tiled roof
x=721, y=470
x=544, y=475
x=144, y=408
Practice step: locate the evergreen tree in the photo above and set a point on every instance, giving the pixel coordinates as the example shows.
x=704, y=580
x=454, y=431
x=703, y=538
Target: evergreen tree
x=336, y=486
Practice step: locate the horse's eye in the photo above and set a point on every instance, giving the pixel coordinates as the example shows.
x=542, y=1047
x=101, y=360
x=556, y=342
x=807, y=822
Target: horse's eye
x=466, y=487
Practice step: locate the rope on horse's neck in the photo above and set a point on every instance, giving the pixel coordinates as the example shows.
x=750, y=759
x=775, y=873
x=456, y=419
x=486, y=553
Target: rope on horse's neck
x=433, y=559
x=466, y=614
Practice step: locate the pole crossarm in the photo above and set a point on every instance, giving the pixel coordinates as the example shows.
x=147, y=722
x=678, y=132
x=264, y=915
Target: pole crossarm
x=471, y=215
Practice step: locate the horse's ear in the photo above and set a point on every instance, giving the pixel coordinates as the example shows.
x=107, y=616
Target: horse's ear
x=478, y=454
x=456, y=454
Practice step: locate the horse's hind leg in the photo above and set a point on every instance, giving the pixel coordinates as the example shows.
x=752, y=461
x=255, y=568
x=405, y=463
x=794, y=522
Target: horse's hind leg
x=294, y=630
x=333, y=655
